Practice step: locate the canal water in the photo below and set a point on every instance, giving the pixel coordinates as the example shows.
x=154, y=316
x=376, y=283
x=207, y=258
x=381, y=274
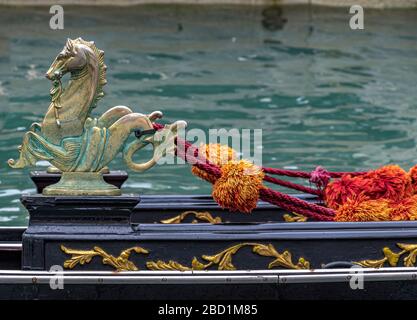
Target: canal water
x=323, y=94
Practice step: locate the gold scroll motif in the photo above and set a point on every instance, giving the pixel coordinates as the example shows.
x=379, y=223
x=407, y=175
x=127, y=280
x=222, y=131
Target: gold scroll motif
x=120, y=263
x=223, y=259
x=393, y=258
x=204, y=216
x=294, y=217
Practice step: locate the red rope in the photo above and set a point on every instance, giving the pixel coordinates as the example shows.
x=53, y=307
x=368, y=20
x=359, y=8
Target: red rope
x=292, y=204
x=291, y=185
x=288, y=173
x=190, y=154
x=194, y=157
x=306, y=175
x=269, y=195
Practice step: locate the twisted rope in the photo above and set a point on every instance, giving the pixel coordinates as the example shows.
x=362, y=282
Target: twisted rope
x=292, y=204
x=307, y=175
x=320, y=177
x=291, y=185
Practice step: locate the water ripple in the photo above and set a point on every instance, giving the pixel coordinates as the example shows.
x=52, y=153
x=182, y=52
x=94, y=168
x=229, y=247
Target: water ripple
x=322, y=94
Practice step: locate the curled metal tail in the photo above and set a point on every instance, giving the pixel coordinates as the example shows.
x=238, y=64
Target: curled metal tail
x=163, y=143
x=128, y=152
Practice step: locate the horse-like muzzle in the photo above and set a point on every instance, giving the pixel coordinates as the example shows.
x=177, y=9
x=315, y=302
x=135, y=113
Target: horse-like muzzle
x=56, y=75
x=56, y=71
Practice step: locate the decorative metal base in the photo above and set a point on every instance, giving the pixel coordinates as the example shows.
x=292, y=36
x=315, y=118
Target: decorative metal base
x=81, y=184
x=42, y=179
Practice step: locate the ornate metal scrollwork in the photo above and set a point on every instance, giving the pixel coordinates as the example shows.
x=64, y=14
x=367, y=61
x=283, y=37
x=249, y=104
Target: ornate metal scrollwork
x=223, y=259
x=120, y=263
x=204, y=216
x=393, y=258
x=295, y=217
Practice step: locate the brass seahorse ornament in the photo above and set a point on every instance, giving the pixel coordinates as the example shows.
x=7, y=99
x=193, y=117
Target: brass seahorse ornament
x=55, y=93
x=79, y=145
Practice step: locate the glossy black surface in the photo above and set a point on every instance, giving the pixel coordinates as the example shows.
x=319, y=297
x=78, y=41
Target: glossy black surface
x=117, y=223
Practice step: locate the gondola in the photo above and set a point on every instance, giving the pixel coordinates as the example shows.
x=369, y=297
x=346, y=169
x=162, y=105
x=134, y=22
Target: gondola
x=328, y=252
x=86, y=239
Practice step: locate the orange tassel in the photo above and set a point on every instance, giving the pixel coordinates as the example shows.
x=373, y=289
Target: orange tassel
x=339, y=191
x=363, y=209
x=216, y=154
x=413, y=176
x=389, y=182
x=404, y=210
x=238, y=187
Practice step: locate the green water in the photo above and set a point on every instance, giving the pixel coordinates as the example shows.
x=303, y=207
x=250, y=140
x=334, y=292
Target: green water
x=322, y=93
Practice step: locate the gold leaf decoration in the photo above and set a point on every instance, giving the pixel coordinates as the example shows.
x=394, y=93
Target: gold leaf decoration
x=170, y=265
x=197, y=265
x=283, y=260
x=78, y=257
x=393, y=258
x=204, y=216
x=303, y=263
x=120, y=263
x=295, y=217
x=410, y=260
x=371, y=263
x=265, y=250
x=223, y=259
